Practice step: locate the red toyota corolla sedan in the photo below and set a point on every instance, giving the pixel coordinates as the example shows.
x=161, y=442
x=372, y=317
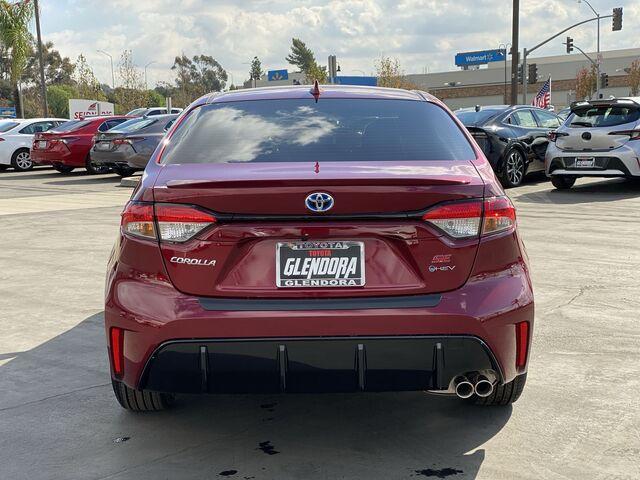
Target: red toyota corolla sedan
x=69, y=145
x=331, y=239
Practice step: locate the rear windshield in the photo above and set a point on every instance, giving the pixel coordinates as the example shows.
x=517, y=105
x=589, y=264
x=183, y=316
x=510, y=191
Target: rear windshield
x=471, y=117
x=305, y=131
x=603, y=116
x=70, y=126
x=133, y=125
x=137, y=111
x=6, y=126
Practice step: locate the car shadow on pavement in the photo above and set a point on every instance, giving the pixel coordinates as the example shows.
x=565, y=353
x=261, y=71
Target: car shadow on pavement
x=57, y=399
x=592, y=192
x=88, y=180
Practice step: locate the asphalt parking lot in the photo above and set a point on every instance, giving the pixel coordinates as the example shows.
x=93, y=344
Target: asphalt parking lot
x=579, y=416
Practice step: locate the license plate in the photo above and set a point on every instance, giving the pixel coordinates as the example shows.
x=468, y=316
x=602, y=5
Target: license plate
x=584, y=162
x=103, y=146
x=42, y=144
x=320, y=264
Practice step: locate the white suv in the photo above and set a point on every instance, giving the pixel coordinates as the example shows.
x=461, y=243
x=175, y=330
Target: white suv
x=600, y=138
x=16, y=137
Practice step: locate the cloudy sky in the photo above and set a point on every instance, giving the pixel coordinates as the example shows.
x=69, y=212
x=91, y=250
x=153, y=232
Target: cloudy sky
x=422, y=34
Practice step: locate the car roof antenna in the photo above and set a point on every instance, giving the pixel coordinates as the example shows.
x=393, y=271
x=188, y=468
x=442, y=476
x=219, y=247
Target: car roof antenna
x=315, y=90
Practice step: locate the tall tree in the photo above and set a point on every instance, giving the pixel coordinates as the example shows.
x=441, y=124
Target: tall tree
x=131, y=92
x=301, y=56
x=58, y=70
x=255, y=72
x=15, y=36
x=87, y=84
x=195, y=77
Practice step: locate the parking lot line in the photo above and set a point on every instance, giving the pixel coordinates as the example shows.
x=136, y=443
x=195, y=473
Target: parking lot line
x=56, y=203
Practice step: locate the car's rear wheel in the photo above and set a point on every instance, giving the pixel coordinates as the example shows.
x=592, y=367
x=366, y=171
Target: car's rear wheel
x=21, y=160
x=124, y=171
x=141, y=400
x=562, y=182
x=514, y=169
x=63, y=168
x=94, y=168
x=503, y=394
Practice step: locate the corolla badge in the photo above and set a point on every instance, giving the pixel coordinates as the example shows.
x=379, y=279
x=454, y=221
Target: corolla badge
x=201, y=262
x=319, y=202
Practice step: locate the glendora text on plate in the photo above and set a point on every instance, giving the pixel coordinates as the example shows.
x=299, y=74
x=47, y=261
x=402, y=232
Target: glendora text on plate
x=320, y=264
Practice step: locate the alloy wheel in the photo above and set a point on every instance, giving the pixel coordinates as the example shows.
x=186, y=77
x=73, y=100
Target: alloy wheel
x=23, y=161
x=515, y=167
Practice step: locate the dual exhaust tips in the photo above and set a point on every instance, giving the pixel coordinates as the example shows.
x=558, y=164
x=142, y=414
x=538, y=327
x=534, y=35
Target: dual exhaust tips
x=465, y=386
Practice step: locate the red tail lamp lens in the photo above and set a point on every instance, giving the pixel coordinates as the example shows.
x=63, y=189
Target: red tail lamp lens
x=117, y=353
x=522, y=344
x=137, y=220
x=499, y=215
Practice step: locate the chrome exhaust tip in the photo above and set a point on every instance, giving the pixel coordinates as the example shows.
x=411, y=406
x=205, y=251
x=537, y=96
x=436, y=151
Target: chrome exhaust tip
x=463, y=387
x=483, y=387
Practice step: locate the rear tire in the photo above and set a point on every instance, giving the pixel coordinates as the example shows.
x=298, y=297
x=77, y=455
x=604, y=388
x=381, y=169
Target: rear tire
x=562, y=182
x=514, y=169
x=63, y=168
x=123, y=171
x=21, y=160
x=503, y=394
x=95, y=169
x=140, y=400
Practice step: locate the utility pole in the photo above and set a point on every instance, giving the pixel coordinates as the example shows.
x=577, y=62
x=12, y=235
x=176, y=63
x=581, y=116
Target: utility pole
x=514, y=52
x=504, y=47
x=43, y=86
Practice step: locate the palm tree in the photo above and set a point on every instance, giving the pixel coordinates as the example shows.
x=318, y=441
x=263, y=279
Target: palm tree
x=15, y=36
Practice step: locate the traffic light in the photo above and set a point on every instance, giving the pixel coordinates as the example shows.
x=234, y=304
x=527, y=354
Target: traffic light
x=533, y=73
x=520, y=74
x=569, y=44
x=604, y=80
x=617, y=19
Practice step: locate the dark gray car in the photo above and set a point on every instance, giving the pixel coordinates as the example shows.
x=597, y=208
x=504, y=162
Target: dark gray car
x=128, y=146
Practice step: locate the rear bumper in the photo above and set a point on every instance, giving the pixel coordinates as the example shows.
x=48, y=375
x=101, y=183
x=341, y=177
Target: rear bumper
x=166, y=332
x=298, y=365
x=116, y=159
x=621, y=162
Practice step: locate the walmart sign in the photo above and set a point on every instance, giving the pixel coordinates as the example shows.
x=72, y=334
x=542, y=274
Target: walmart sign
x=479, y=58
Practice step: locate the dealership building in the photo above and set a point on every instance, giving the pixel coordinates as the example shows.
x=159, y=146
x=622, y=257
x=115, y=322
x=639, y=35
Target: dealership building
x=485, y=84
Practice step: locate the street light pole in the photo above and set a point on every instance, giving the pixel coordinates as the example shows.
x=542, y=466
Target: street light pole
x=146, y=87
x=43, y=86
x=113, y=77
x=515, y=52
x=597, y=47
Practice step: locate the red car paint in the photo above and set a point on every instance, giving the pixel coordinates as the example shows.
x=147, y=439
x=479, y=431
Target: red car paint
x=154, y=300
x=70, y=149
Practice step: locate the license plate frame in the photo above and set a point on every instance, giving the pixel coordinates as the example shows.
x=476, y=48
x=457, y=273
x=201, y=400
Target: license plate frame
x=103, y=146
x=42, y=144
x=584, y=162
x=289, y=272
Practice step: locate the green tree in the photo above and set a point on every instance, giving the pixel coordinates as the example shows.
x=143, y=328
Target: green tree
x=130, y=93
x=154, y=99
x=16, y=39
x=58, y=70
x=58, y=97
x=255, y=72
x=87, y=84
x=301, y=56
x=195, y=77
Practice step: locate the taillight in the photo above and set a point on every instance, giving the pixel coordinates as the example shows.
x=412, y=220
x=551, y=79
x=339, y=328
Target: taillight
x=175, y=223
x=137, y=220
x=633, y=134
x=553, y=136
x=522, y=344
x=122, y=141
x=179, y=223
x=116, y=341
x=465, y=219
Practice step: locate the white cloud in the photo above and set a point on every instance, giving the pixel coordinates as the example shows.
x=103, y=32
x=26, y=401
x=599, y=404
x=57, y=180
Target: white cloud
x=421, y=33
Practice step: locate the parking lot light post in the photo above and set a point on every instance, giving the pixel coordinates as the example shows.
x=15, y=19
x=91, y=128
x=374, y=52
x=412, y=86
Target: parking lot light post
x=146, y=87
x=504, y=47
x=113, y=77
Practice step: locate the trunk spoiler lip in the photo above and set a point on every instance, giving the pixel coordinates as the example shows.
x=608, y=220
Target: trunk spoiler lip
x=631, y=102
x=319, y=182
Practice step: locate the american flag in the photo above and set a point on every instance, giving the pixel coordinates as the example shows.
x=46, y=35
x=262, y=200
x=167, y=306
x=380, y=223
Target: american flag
x=543, y=97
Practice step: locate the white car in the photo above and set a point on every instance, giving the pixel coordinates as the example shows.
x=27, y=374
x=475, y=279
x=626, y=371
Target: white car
x=16, y=137
x=149, y=112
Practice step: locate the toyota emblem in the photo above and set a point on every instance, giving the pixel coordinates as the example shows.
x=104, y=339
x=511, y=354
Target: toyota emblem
x=319, y=202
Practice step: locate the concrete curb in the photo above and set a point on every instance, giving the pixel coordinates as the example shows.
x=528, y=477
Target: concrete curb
x=131, y=182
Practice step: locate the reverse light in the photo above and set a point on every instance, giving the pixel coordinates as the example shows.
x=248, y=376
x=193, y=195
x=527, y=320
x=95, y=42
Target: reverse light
x=522, y=344
x=116, y=342
x=179, y=223
x=465, y=219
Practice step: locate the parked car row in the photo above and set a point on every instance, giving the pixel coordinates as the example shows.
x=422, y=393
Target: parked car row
x=16, y=138
x=591, y=138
